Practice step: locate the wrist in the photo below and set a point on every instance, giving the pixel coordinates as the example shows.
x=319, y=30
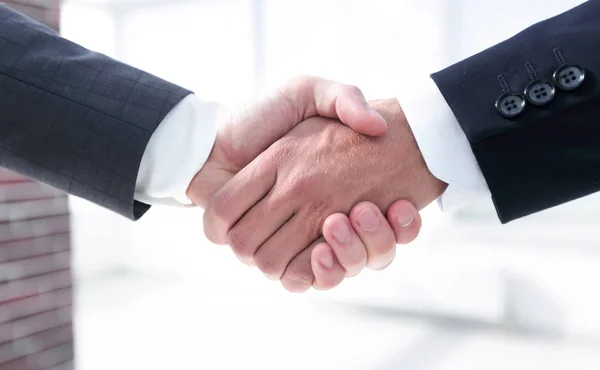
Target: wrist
x=424, y=186
x=430, y=186
x=435, y=185
x=444, y=147
x=205, y=183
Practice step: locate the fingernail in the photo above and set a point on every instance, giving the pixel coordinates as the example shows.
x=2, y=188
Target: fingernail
x=342, y=233
x=327, y=261
x=367, y=220
x=405, y=220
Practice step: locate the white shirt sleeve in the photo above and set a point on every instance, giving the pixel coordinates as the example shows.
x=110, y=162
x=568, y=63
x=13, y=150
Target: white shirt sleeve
x=177, y=151
x=445, y=147
x=189, y=132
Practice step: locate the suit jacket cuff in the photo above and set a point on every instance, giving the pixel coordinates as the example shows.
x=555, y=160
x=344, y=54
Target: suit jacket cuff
x=444, y=147
x=534, y=155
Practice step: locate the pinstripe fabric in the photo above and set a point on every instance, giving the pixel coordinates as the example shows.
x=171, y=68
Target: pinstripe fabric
x=73, y=118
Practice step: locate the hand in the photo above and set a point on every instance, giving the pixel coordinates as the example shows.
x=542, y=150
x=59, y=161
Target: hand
x=252, y=131
x=272, y=211
x=246, y=135
x=372, y=242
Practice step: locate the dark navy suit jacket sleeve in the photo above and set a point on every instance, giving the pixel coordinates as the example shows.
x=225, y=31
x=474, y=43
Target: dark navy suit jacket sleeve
x=530, y=108
x=73, y=118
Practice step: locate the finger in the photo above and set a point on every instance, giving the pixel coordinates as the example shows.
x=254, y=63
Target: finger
x=298, y=276
x=251, y=131
x=202, y=187
x=273, y=257
x=257, y=225
x=353, y=110
x=315, y=96
x=405, y=221
x=345, y=243
x=238, y=195
x=376, y=234
x=328, y=272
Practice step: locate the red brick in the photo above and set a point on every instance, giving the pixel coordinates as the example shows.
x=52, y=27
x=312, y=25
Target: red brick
x=7, y=176
x=35, y=278
x=44, y=11
x=34, y=12
x=17, y=270
x=38, y=342
x=46, y=4
x=26, y=210
x=14, y=310
x=15, y=231
x=28, y=190
x=68, y=365
x=42, y=360
x=35, y=324
x=28, y=248
x=20, y=289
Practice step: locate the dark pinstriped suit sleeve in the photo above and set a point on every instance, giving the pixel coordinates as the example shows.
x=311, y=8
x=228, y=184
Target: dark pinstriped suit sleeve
x=73, y=118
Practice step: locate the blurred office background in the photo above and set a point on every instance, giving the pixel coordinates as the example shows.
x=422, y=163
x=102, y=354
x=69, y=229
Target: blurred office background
x=470, y=294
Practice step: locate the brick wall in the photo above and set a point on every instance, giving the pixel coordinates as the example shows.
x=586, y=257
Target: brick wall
x=35, y=276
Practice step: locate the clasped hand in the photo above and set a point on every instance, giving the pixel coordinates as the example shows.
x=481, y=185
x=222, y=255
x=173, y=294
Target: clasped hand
x=298, y=184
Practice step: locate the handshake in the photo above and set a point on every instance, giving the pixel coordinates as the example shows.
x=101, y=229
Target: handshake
x=298, y=184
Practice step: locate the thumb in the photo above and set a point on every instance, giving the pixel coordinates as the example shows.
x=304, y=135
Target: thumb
x=253, y=130
x=405, y=220
x=336, y=100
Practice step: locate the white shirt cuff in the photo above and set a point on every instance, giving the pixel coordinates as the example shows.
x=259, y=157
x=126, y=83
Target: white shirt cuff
x=445, y=147
x=177, y=151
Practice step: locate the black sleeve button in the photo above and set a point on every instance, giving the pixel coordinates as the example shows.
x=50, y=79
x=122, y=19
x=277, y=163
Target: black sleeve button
x=540, y=92
x=510, y=104
x=569, y=77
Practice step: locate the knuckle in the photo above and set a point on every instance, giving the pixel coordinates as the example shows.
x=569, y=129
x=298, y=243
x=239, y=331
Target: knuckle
x=352, y=90
x=316, y=211
x=280, y=149
x=296, y=88
x=238, y=245
x=298, y=182
x=221, y=205
x=269, y=267
x=362, y=206
x=300, y=81
x=212, y=230
x=318, y=207
x=307, y=185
